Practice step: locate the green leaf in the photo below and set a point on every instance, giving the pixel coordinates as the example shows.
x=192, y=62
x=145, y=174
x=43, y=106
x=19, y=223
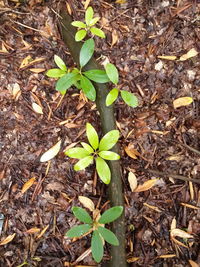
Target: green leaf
x=87, y=147
x=109, y=236
x=60, y=63
x=103, y=170
x=112, y=96
x=78, y=24
x=98, y=76
x=97, y=246
x=55, y=73
x=89, y=15
x=86, y=52
x=88, y=88
x=83, y=163
x=66, y=82
x=109, y=140
x=79, y=230
x=93, y=21
x=82, y=215
x=97, y=32
x=109, y=155
x=92, y=136
x=111, y=214
x=80, y=35
x=112, y=73
x=77, y=153
x=130, y=99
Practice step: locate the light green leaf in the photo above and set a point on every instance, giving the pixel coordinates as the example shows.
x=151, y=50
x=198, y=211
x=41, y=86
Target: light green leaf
x=111, y=214
x=98, y=76
x=112, y=73
x=66, y=82
x=92, y=136
x=55, y=73
x=109, y=236
x=78, y=230
x=97, y=246
x=80, y=35
x=77, y=153
x=89, y=13
x=78, y=24
x=87, y=147
x=60, y=63
x=94, y=21
x=83, y=163
x=88, y=88
x=82, y=215
x=109, y=140
x=103, y=170
x=109, y=155
x=97, y=32
x=112, y=96
x=86, y=52
x=130, y=99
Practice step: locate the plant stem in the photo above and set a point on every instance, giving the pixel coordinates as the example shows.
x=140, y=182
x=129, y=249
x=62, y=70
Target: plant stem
x=108, y=123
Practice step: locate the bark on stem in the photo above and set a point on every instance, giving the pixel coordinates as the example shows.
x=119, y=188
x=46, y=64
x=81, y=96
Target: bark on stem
x=108, y=123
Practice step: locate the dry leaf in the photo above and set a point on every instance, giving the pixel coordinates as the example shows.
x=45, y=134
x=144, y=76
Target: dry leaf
x=51, y=153
x=37, y=108
x=3, y=49
x=193, y=264
x=28, y=184
x=173, y=224
x=182, y=101
x=189, y=54
x=25, y=61
x=16, y=91
x=33, y=230
x=132, y=181
x=131, y=152
x=42, y=232
x=180, y=233
x=120, y=1
x=7, y=240
x=152, y=207
x=167, y=57
x=132, y=259
x=87, y=203
x=178, y=242
x=190, y=206
x=37, y=70
x=146, y=185
x=87, y=2
x=114, y=38
x=167, y=256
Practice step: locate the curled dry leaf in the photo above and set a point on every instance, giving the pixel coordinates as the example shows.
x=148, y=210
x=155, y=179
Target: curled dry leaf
x=7, y=240
x=28, y=184
x=87, y=203
x=51, y=153
x=182, y=101
x=132, y=181
x=180, y=233
x=37, y=108
x=146, y=185
x=191, y=53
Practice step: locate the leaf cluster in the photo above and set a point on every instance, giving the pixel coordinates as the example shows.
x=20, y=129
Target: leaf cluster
x=99, y=232
x=97, y=150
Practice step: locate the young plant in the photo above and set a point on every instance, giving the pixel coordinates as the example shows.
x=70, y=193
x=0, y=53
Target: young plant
x=100, y=234
x=129, y=98
x=88, y=26
x=97, y=150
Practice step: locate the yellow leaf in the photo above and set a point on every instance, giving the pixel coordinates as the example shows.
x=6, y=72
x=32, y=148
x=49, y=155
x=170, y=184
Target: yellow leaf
x=132, y=181
x=146, y=185
x=180, y=233
x=120, y=1
x=51, y=153
x=167, y=256
x=28, y=184
x=193, y=264
x=87, y=203
x=182, y=101
x=189, y=54
x=132, y=259
x=37, y=108
x=25, y=61
x=7, y=240
x=167, y=57
x=42, y=232
x=33, y=230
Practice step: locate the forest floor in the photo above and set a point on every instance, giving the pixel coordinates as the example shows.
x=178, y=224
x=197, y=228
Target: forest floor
x=158, y=139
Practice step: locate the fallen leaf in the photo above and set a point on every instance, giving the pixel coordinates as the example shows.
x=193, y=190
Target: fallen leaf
x=16, y=91
x=190, y=206
x=42, y=232
x=132, y=181
x=167, y=256
x=193, y=264
x=55, y=186
x=132, y=259
x=3, y=49
x=33, y=230
x=131, y=152
x=25, y=61
x=182, y=101
x=146, y=185
x=152, y=207
x=178, y=242
x=167, y=57
x=51, y=153
x=173, y=224
x=7, y=240
x=120, y=1
x=37, y=70
x=180, y=233
x=37, y=108
x=114, y=38
x=189, y=54
x=87, y=2
x=27, y=185
x=87, y=203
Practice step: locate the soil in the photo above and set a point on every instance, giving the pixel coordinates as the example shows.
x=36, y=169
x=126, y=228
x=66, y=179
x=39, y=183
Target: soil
x=162, y=141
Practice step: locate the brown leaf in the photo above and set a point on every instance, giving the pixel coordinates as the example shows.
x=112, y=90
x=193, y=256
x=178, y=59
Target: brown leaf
x=132, y=181
x=114, y=38
x=193, y=264
x=182, y=101
x=146, y=185
x=7, y=240
x=167, y=256
x=33, y=230
x=27, y=185
x=131, y=152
